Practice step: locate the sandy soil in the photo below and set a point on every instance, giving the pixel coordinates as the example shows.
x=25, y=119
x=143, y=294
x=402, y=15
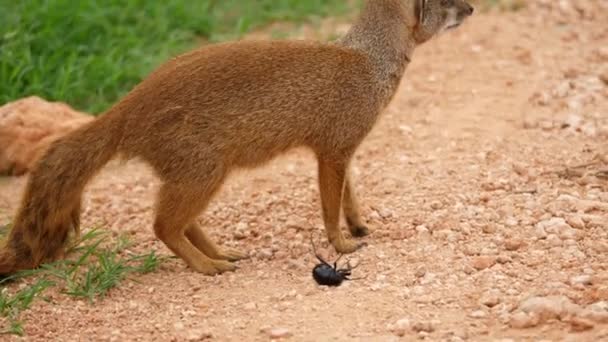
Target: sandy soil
x=469, y=181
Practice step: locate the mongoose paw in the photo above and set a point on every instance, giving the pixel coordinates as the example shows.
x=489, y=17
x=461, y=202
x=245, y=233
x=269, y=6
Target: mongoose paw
x=346, y=246
x=224, y=266
x=231, y=254
x=214, y=268
x=359, y=231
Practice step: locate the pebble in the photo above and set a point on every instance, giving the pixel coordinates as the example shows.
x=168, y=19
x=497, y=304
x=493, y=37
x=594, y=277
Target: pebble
x=551, y=307
x=250, y=306
x=575, y=221
x=579, y=324
x=198, y=335
x=483, y=262
x=491, y=298
x=522, y=320
x=279, y=333
x=489, y=228
x=540, y=232
x=478, y=314
x=425, y=326
x=513, y=244
x=420, y=272
x=401, y=327
x=584, y=279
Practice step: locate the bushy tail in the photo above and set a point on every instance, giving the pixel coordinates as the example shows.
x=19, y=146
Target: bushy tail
x=50, y=206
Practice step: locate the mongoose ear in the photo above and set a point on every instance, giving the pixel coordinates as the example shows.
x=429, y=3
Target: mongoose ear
x=420, y=10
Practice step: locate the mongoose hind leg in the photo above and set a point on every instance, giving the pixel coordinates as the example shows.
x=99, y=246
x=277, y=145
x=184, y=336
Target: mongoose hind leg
x=201, y=240
x=332, y=176
x=350, y=205
x=178, y=205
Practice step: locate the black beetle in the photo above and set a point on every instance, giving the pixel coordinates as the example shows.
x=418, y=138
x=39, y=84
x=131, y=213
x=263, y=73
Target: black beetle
x=325, y=274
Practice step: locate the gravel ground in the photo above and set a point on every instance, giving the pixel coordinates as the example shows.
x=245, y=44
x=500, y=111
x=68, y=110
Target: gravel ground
x=486, y=184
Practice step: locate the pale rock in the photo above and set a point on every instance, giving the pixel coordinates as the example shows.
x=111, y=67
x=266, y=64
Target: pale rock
x=250, y=306
x=540, y=233
x=551, y=307
x=554, y=225
x=522, y=320
x=478, y=314
x=198, y=335
x=30, y=124
x=573, y=121
x=401, y=327
x=584, y=279
x=277, y=333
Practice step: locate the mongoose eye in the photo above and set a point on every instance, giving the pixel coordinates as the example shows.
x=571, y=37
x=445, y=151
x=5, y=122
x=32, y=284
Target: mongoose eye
x=446, y=3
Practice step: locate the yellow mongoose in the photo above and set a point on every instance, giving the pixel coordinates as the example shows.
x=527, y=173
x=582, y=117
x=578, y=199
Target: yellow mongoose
x=227, y=106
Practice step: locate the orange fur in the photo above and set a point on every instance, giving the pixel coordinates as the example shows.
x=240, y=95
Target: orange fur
x=229, y=106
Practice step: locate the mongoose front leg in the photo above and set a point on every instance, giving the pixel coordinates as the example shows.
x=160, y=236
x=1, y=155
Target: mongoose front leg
x=332, y=176
x=350, y=205
x=201, y=240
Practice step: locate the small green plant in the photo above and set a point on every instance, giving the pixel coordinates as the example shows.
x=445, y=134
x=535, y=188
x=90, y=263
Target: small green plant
x=96, y=269
x=11, y=305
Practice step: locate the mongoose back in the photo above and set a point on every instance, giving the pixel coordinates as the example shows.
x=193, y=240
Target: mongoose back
x=227, y=106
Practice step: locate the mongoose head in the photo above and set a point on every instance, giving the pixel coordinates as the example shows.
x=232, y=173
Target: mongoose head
x=436, y=16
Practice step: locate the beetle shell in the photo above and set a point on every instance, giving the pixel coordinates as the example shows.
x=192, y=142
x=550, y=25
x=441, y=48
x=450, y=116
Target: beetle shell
x=326, y=275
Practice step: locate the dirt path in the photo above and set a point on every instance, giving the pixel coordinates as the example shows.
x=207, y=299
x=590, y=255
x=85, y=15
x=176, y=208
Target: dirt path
x=460, y=180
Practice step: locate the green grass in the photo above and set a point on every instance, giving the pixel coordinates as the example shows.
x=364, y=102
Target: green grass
x=89, y=53
x=96, y=267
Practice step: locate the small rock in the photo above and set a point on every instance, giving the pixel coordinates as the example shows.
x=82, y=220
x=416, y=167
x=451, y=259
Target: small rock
x=178, y=326
x=575, y=221
x=423, y=327
x=551, y=307
x=483, y=262
x=522, y=320
x=503, y=259
x=489, y=228
x=520, y=169
x=584, y=279
x=490, y=299
x=579, y=324
x=420, y=272
x=554, y=225
x=279, y=333
x=540, y=232
x=265, y=254
x=198, y=335
x=401, y=327
x=513, y=244
x=597, y=312
x=250, y=306
x=478, y=314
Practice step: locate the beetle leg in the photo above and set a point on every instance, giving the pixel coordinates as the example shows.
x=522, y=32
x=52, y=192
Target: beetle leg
x=336, y=262
x=314, y=251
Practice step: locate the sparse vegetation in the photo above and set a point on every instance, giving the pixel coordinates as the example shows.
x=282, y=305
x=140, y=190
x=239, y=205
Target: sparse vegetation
x=96, y=268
